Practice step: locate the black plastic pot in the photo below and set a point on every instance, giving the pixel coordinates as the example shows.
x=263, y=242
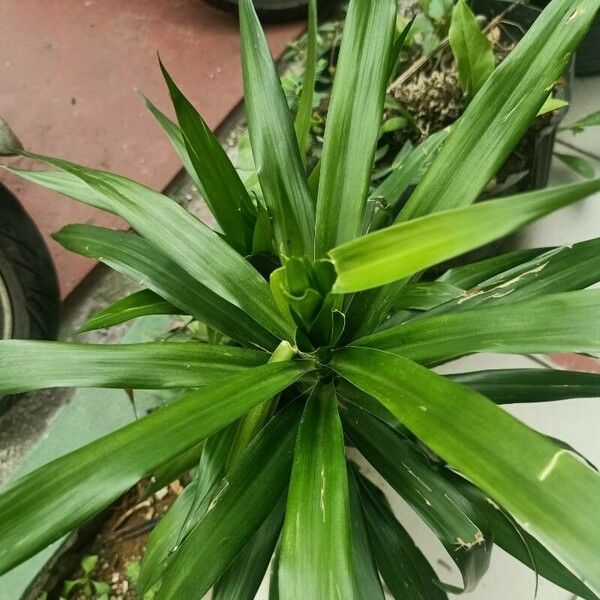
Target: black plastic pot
x=587, y=59
x=270, y=10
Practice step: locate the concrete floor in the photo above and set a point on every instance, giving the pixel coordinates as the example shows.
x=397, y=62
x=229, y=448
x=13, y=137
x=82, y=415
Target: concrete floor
x=48, y=424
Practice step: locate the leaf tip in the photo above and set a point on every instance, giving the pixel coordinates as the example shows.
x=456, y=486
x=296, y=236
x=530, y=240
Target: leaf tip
x=10, y=145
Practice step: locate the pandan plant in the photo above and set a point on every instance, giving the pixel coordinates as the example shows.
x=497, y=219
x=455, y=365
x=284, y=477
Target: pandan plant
x=325, y=338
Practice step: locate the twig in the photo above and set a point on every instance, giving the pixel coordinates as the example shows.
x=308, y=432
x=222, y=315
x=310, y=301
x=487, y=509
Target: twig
x=144, y=504
x=125, y=534
x=416, y=66
x=580, y=150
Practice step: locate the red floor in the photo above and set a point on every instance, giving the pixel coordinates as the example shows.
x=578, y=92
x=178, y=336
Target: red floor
x=68, y=79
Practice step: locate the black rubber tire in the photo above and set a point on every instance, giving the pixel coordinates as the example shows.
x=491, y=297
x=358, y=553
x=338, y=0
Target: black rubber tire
x=28, y=277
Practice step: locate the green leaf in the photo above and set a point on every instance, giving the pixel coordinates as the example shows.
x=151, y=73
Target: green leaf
x=514, y=386
x=181, y=237
x=274, y=577
x=454, y=520
x=496, y=119
x=138, y=304
x=407, y=248
x=472, y=50
x=591, y=120
x=318, y=508
x=172, y=470
x=403, y=567
x=243, y=578
x=130, y=366
x=520, y=544
x=555, y=323
x=88, y=563
x=390, y=192
x=163, y=541
x=241, y=503
x=133, y=256
x=352, y=127
x=188, y=509
x=576, y=163
x=102, y=589
x=541, y=485
x=469, y=275
x=274, y=144
x=551, y=105
x=253, y=421
x=562, y=269
x=366, y=577
x=174, y=134
x=44, y=505
x=305, y=102
x=69, y=585
x=400, y=40
x=222, y=188
x=426, y=295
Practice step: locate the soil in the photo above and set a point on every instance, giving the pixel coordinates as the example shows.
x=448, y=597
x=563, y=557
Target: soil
x=121, y=543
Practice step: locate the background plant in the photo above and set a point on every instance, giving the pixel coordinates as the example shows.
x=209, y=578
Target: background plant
x=335, y=349
x=428, y=90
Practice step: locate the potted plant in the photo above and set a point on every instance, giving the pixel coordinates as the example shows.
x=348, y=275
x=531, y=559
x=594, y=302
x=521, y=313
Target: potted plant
x=449, y=51
x=301, y=365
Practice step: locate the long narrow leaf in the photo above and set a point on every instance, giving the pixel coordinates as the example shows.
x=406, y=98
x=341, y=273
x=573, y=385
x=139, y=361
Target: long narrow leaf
x=129, y=366
x=404, y=568
x=274, y=144
x=407, y=248
x=243, y=578
x=368, y=584
x=242, y=502
x=559, y=270
x=501, y=112
x=174, y=134
x=71, y=489
x=135, y=257
x=471, y=274
x=305, y=102
x=352, y=127
x=174, y=469
x=381, y=302
x=539, y=483
x=514, y=386
x=138, y=304
x=222, y=187
x=183, y=238
x=318, y=509
x=454, y=520
x=391, y=191
x=556, y=323
x=426, y=295
x=188, y=509
x=513, y=539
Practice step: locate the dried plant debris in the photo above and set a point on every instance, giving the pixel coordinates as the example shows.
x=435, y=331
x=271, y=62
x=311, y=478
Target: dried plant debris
x=434, y=99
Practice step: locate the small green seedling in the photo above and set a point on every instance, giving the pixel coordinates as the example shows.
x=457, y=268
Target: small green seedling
x=99, y=590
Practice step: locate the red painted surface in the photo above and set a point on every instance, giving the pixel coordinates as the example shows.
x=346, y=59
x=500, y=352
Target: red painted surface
x=575, y=362
x=69, y=71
